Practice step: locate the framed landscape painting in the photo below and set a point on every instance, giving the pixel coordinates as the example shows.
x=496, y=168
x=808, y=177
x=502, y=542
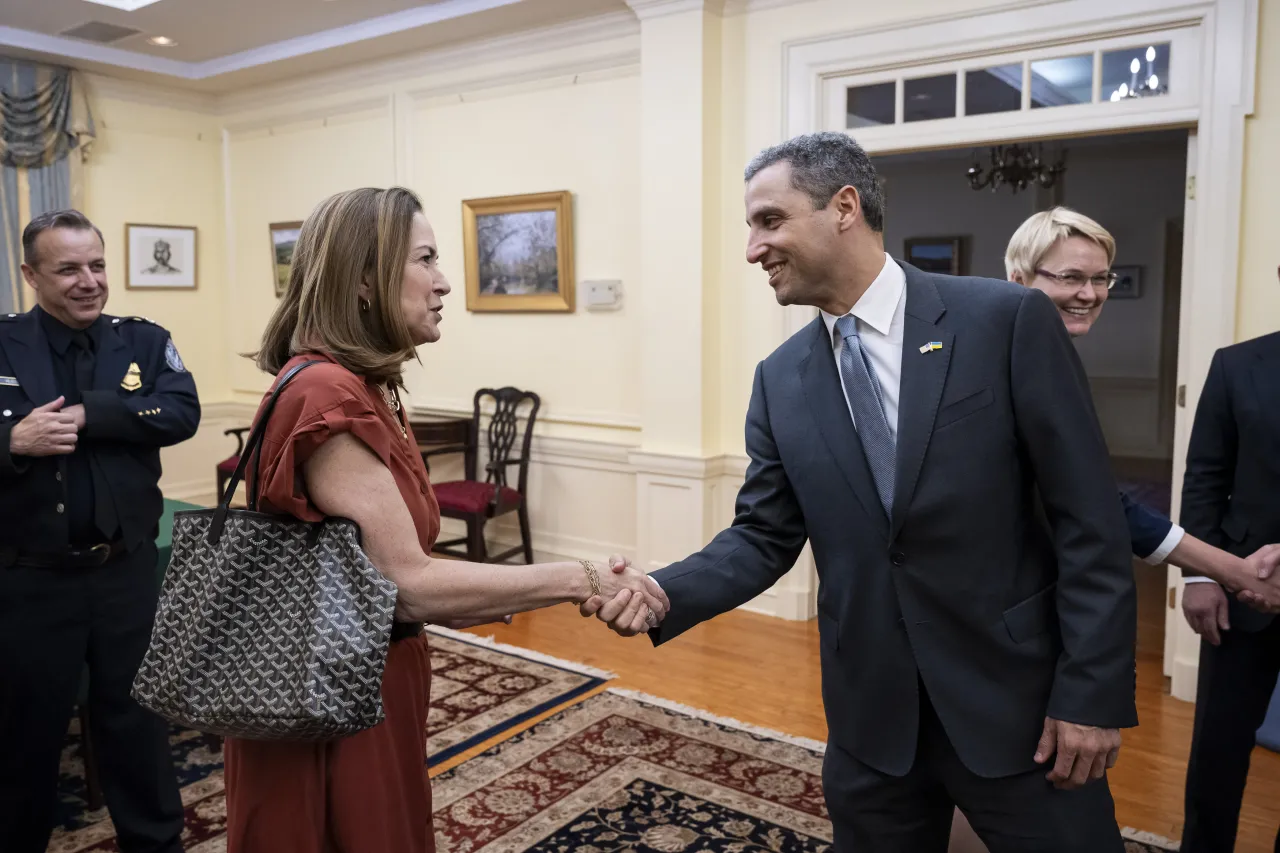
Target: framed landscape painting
x=519, y=252
x=284, y=236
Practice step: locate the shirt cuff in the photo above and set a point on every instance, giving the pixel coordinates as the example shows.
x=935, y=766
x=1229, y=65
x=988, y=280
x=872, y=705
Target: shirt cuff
x=1170, y=542
x=1197, y=579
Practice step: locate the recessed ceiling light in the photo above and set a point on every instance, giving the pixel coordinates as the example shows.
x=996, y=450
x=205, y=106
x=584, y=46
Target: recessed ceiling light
x=162, y=41
x=126, y=5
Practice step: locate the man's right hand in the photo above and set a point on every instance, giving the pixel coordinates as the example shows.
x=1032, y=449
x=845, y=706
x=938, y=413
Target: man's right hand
x=1205, y=606
x=47, y=431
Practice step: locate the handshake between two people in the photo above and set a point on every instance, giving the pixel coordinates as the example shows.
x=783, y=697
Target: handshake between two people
x=625, y=598
x=1253, y=580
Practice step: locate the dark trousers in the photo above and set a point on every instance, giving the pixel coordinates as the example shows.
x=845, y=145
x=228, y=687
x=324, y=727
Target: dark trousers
x=1233, y=691
x=53, y=622
x=875, y=813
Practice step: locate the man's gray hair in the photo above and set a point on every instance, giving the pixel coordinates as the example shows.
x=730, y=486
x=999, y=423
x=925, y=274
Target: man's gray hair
x=72, y=219
x=824, y=163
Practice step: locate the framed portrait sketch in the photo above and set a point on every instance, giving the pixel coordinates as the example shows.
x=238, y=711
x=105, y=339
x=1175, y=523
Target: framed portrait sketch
x=519, y=252
x=159, y=257
x=284, y=236
x=936, y=254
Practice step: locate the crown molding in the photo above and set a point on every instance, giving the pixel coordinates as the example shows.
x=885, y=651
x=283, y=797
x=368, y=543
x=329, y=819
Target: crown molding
x=647, y=9
x=744, y=7
x=615, y=37
x=141, y=92
x=372, y=28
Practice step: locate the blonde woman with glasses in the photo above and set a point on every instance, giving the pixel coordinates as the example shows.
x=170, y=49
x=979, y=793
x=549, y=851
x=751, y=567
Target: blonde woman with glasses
x=1069, y=256
x=365, y=291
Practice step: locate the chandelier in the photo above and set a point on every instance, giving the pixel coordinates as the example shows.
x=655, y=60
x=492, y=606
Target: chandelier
x=1150, y=84
x=1016, y=166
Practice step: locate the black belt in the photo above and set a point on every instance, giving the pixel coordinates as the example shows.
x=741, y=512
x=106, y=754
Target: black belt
x=405, y=630
x=83, y=557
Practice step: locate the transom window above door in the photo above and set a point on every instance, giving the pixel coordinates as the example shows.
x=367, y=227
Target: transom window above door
x=1101, y=76
x=1090, y=83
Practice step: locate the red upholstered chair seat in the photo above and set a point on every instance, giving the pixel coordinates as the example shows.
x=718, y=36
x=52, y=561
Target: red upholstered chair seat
x=228, y=465
x=471, y=497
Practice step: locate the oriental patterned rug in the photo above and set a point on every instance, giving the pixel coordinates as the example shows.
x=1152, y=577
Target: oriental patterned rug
x=625, y=772
x=531, y=753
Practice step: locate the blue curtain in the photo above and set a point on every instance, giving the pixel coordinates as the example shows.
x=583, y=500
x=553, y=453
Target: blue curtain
x=43, y=119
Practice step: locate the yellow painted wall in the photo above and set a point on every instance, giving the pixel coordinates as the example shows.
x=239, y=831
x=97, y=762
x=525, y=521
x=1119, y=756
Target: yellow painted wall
x=157, y=166
x=1258, y=308
x=583, y=138
x=278, y=173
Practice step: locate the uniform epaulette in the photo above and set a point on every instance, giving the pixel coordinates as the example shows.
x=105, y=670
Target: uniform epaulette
x=115, y=321
x=5, y=318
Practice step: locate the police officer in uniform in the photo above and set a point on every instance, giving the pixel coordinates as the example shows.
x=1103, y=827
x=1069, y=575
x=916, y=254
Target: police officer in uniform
x=86, y=402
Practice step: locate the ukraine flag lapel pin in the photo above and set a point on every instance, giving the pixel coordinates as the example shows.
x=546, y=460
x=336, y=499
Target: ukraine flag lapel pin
x=931, y=346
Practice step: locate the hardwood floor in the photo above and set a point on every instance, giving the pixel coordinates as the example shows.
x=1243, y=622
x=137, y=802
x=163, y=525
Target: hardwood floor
x=765, y=671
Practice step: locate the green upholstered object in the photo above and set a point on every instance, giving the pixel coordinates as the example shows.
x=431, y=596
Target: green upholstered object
x=164, y=546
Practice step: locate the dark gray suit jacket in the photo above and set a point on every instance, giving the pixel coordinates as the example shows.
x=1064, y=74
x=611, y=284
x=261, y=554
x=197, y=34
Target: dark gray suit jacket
x=1003, y=579
x=1233, y=459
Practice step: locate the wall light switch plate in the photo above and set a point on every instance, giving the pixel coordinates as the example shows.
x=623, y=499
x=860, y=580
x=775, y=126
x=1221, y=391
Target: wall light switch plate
x=603, y=295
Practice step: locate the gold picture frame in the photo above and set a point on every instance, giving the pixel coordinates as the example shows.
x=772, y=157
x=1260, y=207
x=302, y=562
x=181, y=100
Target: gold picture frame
x=507, y=242
x=284, y=237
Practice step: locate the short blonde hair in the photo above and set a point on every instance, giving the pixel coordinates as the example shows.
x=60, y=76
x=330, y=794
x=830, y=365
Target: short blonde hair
x=351, y=237
x=1036, y=237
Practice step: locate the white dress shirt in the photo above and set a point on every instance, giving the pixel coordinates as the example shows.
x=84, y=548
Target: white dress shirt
x=879, y=314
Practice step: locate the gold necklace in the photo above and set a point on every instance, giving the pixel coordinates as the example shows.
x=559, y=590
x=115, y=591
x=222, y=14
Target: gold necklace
x=392, y=400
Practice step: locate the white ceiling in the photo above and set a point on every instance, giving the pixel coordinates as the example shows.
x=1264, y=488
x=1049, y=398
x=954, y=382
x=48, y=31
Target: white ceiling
x=222, y=45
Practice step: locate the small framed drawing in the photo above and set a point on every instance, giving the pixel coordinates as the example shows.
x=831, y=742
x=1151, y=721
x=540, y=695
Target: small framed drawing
x=284, y=236
x=1128, y=283
x=519, y=252
x=936, y=254
x=159, y=257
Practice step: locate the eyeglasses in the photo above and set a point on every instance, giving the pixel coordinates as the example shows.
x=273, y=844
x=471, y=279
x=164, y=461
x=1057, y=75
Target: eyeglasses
x=1077, y=280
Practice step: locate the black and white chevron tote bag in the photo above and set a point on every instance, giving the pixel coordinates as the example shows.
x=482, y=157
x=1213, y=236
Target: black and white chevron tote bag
x=268, y=627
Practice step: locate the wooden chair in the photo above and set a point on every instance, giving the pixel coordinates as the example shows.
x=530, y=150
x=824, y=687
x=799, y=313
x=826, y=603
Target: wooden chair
x=227, y=467
x=476, y=501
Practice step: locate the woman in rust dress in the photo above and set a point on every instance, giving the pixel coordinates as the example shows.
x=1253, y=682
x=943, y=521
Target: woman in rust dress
x=364, y=291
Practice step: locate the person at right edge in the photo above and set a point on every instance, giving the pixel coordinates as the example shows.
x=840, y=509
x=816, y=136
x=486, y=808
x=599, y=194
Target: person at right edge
x=1231, y=499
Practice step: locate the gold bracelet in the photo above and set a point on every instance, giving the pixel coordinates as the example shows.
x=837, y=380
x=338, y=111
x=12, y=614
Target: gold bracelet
x=592, y=576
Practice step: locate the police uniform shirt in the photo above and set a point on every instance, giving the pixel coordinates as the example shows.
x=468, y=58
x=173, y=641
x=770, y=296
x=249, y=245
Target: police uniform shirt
x=141, y=398
x=64, y=348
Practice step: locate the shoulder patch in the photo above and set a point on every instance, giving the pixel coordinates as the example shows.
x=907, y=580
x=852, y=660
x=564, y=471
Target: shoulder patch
x=172, y=358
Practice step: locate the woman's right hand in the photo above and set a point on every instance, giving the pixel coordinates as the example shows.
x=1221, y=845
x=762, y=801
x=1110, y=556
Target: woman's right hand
x=643, y=601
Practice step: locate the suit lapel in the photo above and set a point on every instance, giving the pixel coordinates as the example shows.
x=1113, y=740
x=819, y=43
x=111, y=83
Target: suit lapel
x=923, y=376
x=28, y=353
x=826, y=400
x=113, y=358
x=1265, y=374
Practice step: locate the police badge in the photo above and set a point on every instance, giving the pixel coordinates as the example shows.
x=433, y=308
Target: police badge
x=172, y=358
x=132, y=378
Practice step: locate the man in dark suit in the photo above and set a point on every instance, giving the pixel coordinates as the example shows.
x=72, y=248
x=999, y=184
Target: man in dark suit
x=86, y=403
x=934, y=440
x=1229, y=499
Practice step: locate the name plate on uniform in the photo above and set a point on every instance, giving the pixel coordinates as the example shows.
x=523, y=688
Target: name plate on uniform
x=10, y=381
